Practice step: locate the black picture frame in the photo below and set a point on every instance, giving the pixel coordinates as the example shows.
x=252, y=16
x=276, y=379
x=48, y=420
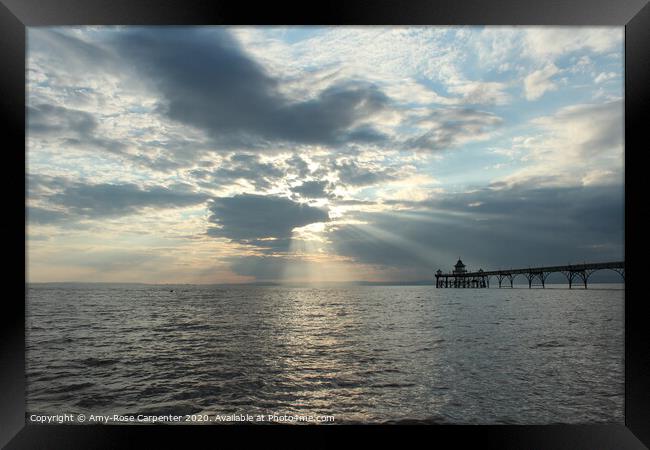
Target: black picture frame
x=16, y=15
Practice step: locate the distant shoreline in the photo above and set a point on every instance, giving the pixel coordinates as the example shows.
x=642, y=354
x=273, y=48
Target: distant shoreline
x=278, y=284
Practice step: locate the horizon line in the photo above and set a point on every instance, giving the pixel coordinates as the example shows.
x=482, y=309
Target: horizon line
x=275, y=283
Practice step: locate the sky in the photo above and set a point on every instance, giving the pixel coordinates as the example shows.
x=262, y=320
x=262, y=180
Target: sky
x=316, y=154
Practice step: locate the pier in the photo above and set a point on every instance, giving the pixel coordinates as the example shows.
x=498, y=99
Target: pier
x=536, y=276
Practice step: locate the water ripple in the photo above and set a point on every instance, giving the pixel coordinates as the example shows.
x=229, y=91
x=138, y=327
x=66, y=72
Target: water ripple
x=396, y=355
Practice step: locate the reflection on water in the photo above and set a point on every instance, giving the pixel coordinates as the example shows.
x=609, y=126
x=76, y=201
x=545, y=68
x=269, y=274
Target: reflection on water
x=367, y=353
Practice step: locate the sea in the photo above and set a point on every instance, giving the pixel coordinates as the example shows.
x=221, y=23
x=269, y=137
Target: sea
x=328, y=354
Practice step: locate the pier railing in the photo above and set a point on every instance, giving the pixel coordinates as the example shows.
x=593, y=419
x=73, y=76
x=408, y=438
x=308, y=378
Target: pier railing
x=536, y=276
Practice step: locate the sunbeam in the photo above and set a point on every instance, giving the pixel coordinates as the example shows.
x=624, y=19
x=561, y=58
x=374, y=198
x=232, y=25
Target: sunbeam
x=310, y=259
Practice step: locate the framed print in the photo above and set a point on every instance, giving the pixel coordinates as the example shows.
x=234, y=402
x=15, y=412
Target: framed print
x=367, y=218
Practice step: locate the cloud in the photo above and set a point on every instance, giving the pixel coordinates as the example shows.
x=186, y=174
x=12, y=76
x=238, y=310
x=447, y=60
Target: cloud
x=208, y=81
x=204, y=78
x=481, y=92
x=299, y=166
x=120, y=199
x=68, y=51
x=352, y=174
x=489, y=229
x=544, y=43
x=350, y=51
x=43, y=216
x=262, y=221
x=117, y=260
x=539, y=82
x=449, y=128
x=132, y=121
x=73, y=127
x=312, y=189
x=512, y=48
x=74, y=200
x=577, y=145
x=590, y=128
x=605, y=76
x=241, y=166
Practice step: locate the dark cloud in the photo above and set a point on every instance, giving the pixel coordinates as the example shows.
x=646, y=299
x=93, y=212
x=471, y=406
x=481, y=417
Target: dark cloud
x=450, y=127
x=299, y=166
x=263, y=221
x=74, y=127
x=352, y=174
x=582, y=210
x=209, y=82
x=205, y=79
x=491, y=229
x=312, y=189
x=38, y=186
x=121, y=199
x=45, y=119
x=43, y=216
x=79, y=200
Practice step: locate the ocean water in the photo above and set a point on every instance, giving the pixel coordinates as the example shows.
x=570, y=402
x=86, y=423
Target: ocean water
x=372, y=354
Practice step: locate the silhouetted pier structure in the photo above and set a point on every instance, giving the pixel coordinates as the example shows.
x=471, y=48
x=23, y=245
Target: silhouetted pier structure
x=536, y=276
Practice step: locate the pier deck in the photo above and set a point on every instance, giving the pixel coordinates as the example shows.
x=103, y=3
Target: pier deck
x=536, y=276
